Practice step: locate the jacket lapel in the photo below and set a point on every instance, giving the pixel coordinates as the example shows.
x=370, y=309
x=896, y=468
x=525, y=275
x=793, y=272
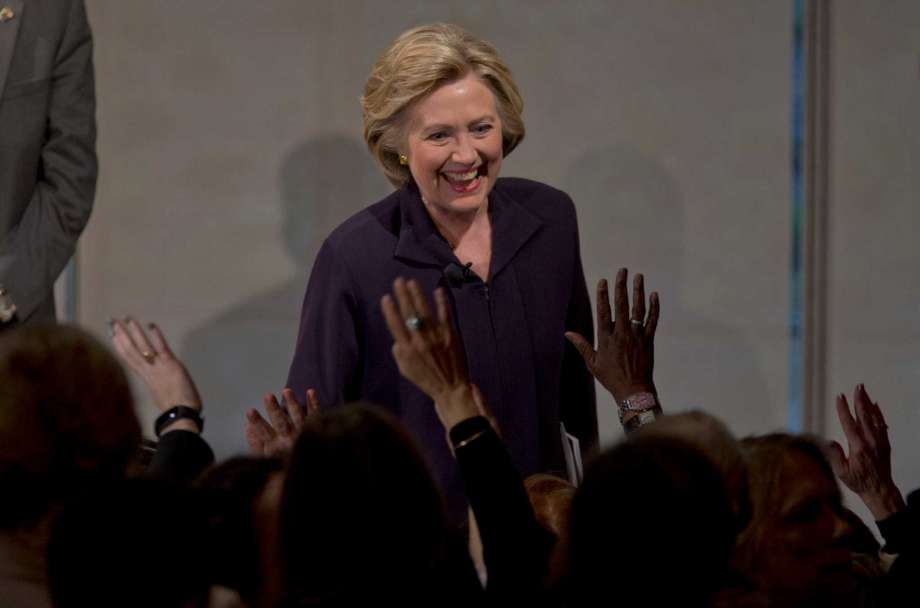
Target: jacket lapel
x=419, y=240
x=512, y=226
x=9, y=30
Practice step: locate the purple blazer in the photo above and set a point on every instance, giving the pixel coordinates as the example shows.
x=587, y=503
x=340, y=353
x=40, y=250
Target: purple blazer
x=511, y=327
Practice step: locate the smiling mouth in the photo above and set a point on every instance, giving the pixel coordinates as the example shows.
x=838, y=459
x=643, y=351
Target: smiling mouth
x=464, y=181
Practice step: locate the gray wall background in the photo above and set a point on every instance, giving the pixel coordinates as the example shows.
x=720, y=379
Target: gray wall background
x=230, y=144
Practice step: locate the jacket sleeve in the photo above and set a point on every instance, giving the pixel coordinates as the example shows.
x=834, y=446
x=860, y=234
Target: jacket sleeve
x=578, y=406
x=327, y=354
x=181, y=456
x=515, y=547
x=34, y=253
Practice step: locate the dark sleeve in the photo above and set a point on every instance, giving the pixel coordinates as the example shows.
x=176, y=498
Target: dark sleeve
x=901, y=530
x=578, y=406
x=34, y=253
x=515, y=547
x=326, y=356
x=902, y=536
x=181, y=456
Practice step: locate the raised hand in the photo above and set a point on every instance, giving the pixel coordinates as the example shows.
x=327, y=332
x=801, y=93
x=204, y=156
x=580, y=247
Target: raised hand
x=625, y=357
x=867, y=468
x=151, y=358
x=277, y=436
x=428, y=352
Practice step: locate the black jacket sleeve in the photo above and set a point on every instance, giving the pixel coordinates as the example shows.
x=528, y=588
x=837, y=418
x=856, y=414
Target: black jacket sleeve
x=515, y=547
x=181, y=456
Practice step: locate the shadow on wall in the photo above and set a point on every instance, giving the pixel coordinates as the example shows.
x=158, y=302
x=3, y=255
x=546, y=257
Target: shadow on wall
x=245, y=351
x=631, y=214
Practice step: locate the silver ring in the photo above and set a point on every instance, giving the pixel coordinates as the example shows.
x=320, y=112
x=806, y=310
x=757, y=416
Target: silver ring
x=414, y=323
x=637, y=322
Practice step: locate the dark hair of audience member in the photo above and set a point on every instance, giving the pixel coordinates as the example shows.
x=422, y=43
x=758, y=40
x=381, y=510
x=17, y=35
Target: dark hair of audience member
x=137, y=543
x=710, y=435
x=361, y=516
x=66, y=418
x=241, y=549
x=651, y=525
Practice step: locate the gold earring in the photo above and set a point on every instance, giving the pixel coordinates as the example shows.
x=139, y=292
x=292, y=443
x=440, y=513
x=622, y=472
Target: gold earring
x=403, y=160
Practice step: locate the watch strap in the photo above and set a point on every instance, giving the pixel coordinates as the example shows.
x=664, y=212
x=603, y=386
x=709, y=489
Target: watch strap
x=177, y=412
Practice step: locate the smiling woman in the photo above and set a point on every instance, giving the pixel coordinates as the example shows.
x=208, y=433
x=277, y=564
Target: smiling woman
x=440, y=113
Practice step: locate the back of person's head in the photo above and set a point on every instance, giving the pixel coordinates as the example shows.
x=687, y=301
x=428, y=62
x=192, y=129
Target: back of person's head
x=551, y=499
x=66, y=418
x=242, y=510
x=136, y=543
x=361, y=515
x=710, y=435
x=651, y=525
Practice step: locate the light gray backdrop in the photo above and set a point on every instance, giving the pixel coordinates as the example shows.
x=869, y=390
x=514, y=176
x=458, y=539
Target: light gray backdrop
x=230, y=143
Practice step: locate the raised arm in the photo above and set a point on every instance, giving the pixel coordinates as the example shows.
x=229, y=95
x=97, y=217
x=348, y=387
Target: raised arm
x=624, y=360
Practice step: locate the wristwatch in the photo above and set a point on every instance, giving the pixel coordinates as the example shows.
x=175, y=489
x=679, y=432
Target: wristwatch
x=177, y=412
x=7, y=306
x=644, y=407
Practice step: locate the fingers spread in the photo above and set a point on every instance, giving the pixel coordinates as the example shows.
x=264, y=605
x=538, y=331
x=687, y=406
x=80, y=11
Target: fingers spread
x=850, y=427
x=638, y=309
x=312, y=402
x=604, y=321
x=258, y=431
x=621, y=301
x=403, y=299
x=395, y=322
x=837, y=459
x=442, y=306
x=279, y=418
x=651, y=324
x=583, y=347
x=295, y=411
x=140, y=338
x=158, y=340
x=862, y=406
x=419, y=303
x=124, y=345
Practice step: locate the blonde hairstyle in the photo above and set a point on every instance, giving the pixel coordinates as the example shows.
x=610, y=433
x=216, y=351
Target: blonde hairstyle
x=419, y=61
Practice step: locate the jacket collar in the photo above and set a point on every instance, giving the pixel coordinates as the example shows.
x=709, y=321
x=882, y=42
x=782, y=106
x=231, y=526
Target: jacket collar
x=421, y=243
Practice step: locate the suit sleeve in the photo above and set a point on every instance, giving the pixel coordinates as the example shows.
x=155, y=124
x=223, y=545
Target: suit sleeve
x=35, y=252
x=327, y=355
x=578, y=402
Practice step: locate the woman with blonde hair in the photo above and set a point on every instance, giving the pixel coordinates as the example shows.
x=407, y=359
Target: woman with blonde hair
x=441, y=111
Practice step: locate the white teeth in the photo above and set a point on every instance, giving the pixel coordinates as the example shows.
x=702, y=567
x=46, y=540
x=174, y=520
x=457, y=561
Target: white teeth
x=462, y=177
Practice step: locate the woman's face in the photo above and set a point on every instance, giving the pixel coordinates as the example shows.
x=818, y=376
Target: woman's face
x=800, y=551
x=455, y=146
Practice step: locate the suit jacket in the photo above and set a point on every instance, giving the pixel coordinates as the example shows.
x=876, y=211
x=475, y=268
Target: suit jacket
x=511, y=327
x=47, y=146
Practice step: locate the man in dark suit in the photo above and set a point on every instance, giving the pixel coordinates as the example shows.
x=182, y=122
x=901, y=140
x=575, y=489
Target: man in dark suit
x=47, y=149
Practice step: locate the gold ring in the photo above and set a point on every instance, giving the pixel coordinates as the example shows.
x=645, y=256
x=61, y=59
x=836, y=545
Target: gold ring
x=148, y=356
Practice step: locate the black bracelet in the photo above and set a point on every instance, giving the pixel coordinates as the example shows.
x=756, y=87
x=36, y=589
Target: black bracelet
x=177, y=412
